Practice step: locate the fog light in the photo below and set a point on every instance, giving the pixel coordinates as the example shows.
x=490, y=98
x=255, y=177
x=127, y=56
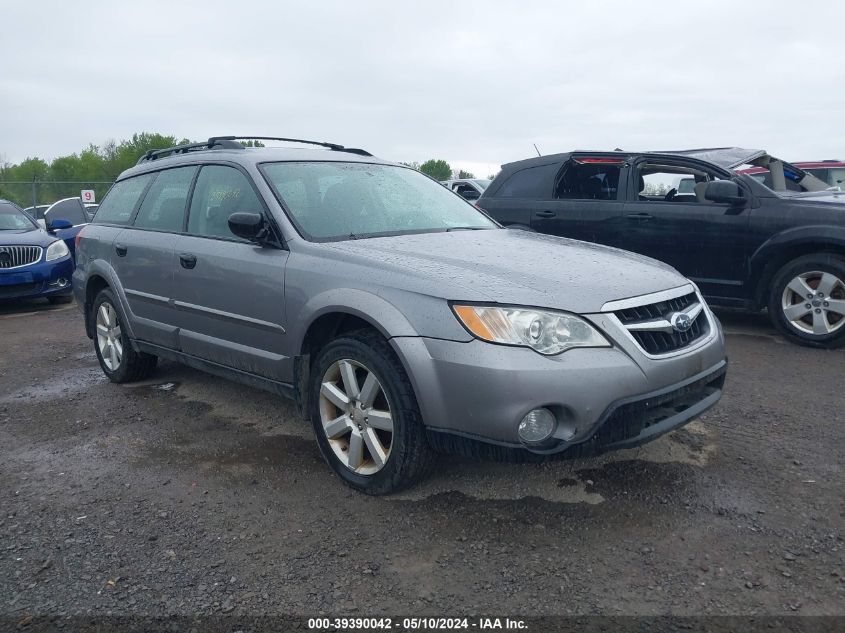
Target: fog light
x=62, y=282
x=537, y=426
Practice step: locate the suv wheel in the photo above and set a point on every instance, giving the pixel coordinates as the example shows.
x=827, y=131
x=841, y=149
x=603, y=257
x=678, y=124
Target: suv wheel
x=365, y=415
x=807, y=300
x=118, y=360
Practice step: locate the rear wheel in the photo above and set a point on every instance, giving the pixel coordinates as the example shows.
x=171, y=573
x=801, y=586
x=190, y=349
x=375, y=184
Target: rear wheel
x=365, y=415
x=118, y=360
x=807, y=300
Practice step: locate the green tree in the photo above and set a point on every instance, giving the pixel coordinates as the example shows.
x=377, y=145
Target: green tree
x=465, y=174
x=413, y=165
x=437, y=169
x=66, y=175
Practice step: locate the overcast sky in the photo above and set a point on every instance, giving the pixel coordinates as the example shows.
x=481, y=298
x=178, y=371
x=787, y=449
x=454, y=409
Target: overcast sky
x=475, y=83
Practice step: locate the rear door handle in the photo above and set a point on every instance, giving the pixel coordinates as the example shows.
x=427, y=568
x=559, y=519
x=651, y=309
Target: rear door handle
x=187, y=260
x=545, y=214
x=120, y=249
x=641, y=217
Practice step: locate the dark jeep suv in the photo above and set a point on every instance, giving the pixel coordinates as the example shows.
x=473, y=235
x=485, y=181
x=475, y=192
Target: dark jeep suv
x=746, y=243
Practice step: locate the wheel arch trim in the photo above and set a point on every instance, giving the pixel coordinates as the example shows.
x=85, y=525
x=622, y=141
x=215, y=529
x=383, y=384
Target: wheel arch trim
x=102, y=269
x=765, y=261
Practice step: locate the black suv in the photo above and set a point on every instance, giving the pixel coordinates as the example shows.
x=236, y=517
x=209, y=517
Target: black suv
x=778, y=244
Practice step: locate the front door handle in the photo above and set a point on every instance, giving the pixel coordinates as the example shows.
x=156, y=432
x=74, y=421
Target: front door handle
x=545, y=214
x=120, y=249
x=640, y=217
x=187, y=260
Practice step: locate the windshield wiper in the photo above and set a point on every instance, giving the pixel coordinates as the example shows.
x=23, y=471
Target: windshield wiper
x=466, y=228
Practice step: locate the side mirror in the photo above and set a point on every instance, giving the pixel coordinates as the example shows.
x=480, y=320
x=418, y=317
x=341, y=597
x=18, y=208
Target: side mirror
x=250, y=226
x=58, y=224
x=726, y=191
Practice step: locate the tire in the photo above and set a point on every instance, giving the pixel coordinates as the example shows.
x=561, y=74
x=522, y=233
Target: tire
x=822, y=324
x=131, y=365
x=404, y=452
x=60, y=299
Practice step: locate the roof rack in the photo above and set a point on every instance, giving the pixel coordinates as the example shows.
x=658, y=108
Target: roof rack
x=153, y=154
x=231, y=142
x=332, y=146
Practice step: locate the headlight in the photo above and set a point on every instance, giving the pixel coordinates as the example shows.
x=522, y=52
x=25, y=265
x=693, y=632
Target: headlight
x=56, y=250
x=541, y=330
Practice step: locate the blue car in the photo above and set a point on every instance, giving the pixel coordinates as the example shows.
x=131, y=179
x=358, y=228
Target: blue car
x=34, y=262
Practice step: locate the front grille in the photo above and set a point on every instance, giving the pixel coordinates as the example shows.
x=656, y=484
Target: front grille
x=9, y=290
x=656, y=310
x=15, y=256
x=658, y=340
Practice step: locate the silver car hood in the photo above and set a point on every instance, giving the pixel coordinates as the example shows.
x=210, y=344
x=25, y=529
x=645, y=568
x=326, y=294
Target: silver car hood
x=509, y=267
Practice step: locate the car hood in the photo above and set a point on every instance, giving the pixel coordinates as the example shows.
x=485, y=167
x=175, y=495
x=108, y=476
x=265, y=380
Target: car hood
x=31, y=237
x=509, y=267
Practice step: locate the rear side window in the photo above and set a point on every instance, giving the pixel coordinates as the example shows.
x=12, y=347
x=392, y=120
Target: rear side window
x=220, y=191
x=534, y=182
x=163, y=208
x=121, y=199
x=588, y=181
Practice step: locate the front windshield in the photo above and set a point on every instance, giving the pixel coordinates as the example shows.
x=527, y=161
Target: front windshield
x=332, y=200
x=13, y=219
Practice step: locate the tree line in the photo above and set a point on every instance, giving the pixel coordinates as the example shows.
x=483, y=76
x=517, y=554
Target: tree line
x=36, y=181
x=64, y=176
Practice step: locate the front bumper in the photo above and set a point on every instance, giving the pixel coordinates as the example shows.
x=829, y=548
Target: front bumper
x=613, y=397
x=38, y=280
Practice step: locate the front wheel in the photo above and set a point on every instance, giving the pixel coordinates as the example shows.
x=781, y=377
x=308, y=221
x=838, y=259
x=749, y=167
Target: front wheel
x=118, y=360
x=365, y=415
x=807, y=300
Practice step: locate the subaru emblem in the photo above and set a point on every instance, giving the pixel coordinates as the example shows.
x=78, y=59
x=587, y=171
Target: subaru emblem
x=680, y=321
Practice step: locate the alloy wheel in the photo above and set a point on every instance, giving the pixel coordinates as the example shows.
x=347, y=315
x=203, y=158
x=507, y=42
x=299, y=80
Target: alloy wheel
x=356, y=416
x=108, y=336
x=814, y=303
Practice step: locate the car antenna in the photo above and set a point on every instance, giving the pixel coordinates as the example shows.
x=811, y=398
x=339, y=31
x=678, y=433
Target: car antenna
x=538, y=151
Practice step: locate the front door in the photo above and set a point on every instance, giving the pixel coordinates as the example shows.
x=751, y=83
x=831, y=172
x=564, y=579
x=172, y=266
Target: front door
x=705, y=241
x=228, y=292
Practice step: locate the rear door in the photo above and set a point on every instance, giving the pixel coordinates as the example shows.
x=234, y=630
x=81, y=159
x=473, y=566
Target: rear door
x=228, y=292
x=144, y=257
x=584, y=202
x=705, y=241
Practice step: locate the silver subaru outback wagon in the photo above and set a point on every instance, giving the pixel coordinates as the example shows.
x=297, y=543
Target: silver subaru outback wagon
x=401, y=319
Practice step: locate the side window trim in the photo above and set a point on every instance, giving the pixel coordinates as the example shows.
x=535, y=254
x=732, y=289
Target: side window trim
x=265, y=211
x=142, y=197
x=137, y=202
x=197, y=167
x=634, y=167
x=620, y=190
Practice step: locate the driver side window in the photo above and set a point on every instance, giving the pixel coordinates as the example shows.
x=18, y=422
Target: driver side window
x=672, y=183
x=220, y=191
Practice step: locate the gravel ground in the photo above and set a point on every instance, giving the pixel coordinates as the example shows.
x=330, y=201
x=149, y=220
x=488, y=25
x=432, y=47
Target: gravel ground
x=188, y=494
